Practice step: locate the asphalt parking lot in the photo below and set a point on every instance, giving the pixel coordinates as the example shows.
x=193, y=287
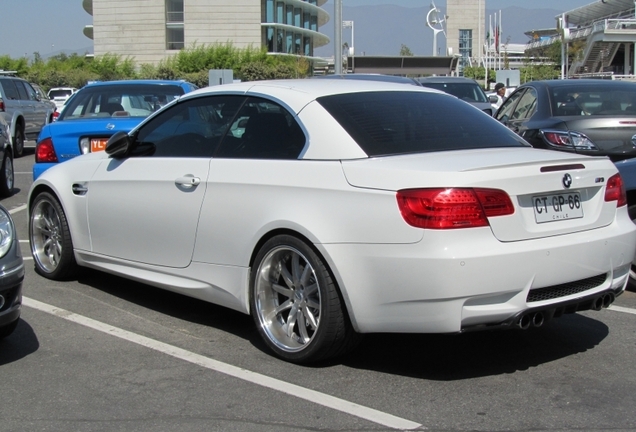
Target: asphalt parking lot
x=105, y=354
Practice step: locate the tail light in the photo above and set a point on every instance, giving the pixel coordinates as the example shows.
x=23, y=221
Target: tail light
x=567, y=139
x=615, y=190
x=56, y=114
x=45, y=152
x=1, y=105
x=449, y=208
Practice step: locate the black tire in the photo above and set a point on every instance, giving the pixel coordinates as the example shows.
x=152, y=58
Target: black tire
x=7, y=176
x=50, y=237
x=18, y=142
x=631, y=284
x=296, y=304
x=8, y=329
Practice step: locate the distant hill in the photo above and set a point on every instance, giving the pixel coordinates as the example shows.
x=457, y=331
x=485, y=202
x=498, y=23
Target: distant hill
x=382, y=29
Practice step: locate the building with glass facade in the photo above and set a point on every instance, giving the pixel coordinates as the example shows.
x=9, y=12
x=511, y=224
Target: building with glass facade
x=465, y=29
x=151, y=30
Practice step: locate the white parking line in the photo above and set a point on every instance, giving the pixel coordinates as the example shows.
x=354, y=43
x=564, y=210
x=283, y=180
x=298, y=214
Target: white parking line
x=17, y=209
x=622, y=309
x=326, y=400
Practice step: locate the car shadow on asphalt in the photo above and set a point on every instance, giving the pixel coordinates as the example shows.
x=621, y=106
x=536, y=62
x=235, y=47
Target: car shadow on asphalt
x=433, y=357
x=479, y=354
x=19, y=344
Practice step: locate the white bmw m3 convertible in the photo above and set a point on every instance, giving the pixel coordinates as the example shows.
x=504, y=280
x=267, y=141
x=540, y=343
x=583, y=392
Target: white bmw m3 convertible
x=331, y=208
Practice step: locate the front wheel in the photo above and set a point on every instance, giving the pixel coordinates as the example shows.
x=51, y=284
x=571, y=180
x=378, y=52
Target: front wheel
x=7, y=176
x=50, y=237
x=295, y=303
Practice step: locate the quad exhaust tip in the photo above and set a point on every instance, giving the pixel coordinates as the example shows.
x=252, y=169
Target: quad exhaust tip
x=536, y=319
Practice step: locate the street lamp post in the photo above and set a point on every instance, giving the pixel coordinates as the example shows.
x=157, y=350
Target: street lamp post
x=337, y=40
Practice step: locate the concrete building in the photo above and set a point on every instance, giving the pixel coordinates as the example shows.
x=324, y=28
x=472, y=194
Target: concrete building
x=465, y=30
x=151, y=30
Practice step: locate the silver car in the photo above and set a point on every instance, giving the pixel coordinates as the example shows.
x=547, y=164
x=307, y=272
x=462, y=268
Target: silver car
x=465, y=89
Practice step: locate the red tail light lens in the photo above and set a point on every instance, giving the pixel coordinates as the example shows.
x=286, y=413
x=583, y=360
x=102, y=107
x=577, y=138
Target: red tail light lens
x=615, y=190
x=56, y=114
x=1, y=105
x=44, y=151
x=451, y=208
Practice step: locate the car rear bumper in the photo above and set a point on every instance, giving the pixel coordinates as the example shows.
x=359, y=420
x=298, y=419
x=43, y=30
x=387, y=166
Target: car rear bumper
x=463, y=279
x=39, y=168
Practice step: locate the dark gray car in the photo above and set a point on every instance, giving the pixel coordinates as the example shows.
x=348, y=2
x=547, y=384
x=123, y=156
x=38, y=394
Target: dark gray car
x=11, y=275
x=591, y=117
x=466, y=89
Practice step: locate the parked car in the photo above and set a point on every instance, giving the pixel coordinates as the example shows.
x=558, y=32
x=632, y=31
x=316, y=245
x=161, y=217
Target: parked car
x=371, y=77
x=627, y=169
x=6, y=156
x=23, y=110
x=59, y=95
x=96, y=112
x=590, y=117
x=340, y=207
x=466, y=89
x=11, y=275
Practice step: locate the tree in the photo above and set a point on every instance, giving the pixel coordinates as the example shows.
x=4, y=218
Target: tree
x=405, y=51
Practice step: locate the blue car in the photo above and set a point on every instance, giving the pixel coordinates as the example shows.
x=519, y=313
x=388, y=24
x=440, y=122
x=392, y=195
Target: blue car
x=96, y=112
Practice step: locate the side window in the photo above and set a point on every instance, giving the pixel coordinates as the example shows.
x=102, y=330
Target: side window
x=505, y=112
x=10, y=92
x=526, y=106
x=192, y=128
x=22, y=90
x=31, y=93
x=262, y=130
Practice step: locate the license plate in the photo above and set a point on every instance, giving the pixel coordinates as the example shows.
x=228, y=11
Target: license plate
x=551, y=208
x=98, y=144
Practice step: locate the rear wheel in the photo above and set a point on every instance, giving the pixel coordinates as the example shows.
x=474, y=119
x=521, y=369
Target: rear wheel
x=18, y=142
x=295, y=303
x=50, y=238
x=6, y=175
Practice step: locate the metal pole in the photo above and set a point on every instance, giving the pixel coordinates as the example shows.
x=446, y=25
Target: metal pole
x=353, y=51
x=337, y=39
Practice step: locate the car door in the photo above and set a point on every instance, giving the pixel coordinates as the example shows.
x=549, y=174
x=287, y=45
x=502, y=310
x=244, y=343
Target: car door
x=523, y=111
x=28, y=108
x=145, y=207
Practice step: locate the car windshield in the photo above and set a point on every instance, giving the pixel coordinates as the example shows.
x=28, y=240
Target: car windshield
x=469, y=92
x=119, y=100
x=594, y=100
x=59, y=93
x=392, y=122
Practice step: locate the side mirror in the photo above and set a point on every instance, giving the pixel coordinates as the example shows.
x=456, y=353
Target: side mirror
x=118, y=145
x=493, y=99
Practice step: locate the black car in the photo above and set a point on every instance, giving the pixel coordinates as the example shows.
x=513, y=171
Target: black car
x=11, y=275
x=466, y=89
x=590, y=117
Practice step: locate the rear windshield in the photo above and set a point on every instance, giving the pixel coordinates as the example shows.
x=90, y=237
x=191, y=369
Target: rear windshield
x=401, y=122
x=59, y=93
x=138, y=100
x=577, y=100
x=469, y=92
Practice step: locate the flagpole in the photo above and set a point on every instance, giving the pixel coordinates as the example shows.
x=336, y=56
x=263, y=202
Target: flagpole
x=499, y=44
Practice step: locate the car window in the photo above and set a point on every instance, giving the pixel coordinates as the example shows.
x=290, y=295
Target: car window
x=391, y=123
x=10, y=90
x=31, y=93
x=505, y=111
x=139, y=100
x=262, y=130
x=599, y=100
x=191, y=128
x=526, y=106
x=22, y=91
x=59, y=93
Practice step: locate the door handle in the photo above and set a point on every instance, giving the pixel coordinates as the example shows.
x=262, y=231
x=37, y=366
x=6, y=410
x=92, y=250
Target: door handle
x=188, y=181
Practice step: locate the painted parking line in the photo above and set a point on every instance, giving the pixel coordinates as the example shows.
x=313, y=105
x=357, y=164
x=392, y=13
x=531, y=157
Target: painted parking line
x=323, y=399
x=622, y=309
x=17, y=209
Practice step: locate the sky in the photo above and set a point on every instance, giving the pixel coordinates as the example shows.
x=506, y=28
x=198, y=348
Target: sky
x=50, y=26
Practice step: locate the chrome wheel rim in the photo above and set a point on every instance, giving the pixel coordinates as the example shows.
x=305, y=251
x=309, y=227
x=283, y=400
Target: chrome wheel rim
x=287, y=297
x=46, y=236
x=8, y=172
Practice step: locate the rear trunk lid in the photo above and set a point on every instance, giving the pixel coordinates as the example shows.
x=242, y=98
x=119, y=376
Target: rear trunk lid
x=553, y=193
x=613, y=136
